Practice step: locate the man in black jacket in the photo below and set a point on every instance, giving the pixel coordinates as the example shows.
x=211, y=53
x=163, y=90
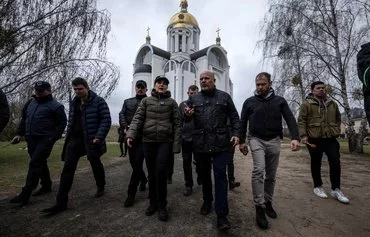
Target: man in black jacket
x=136, y=152
x=363, y=70
x=187, y=144
x=4, y=111
x=264, y=112
x=43, y=122
x=89, y=122
x=210, y=110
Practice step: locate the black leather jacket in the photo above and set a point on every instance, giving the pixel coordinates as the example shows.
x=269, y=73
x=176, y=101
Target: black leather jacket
x=212, y=110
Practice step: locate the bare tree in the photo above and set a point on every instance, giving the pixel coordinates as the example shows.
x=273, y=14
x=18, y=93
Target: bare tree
x=54, y=40
x=318, y=39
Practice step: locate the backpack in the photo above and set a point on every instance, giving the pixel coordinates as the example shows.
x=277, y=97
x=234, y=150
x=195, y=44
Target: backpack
x=363, y=64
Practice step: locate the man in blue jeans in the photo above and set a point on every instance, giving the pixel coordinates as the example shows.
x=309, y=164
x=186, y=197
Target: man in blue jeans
x=210, y=110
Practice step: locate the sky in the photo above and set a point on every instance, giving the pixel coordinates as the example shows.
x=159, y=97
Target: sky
x=240, y=22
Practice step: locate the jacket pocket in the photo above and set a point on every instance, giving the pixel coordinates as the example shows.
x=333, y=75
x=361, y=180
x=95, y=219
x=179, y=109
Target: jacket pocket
x=334, y=130
x=222, y=138
x=314, y=130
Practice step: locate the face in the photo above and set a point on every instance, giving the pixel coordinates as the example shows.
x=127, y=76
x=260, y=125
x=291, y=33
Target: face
x=42, y=93
x=262, y=85
x=140, y=90
x=81, y=91
x=161, y=86
x=207, y=81
x=319, y=90
x=192, y=92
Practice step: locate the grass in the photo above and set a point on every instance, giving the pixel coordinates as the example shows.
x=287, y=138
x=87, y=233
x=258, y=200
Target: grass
x=14, y=163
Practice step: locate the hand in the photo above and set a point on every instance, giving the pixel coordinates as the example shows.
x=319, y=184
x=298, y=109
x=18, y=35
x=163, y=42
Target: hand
x=234, y=140
x=129, y=142
x=294, y=145
x=188, y=111
x=244, y=149
x=304, y=139
x=15, y=139
x=96, y=141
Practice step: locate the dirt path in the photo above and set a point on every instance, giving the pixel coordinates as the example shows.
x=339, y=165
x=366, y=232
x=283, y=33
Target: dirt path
x=300, y=212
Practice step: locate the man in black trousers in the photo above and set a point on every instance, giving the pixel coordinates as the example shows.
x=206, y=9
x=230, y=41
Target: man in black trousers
x=43, y=122
x=136, y=152
x=88, y=125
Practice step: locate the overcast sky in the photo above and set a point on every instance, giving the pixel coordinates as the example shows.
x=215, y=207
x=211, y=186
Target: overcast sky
x=239, y=21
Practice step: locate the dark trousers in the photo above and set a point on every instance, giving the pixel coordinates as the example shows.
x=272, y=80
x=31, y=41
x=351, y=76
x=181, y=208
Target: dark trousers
x=230, y=166
x=75, y=148
x=136, y=154
x=219, y=161
x=187, y=160
x=39, y=149
x=121, y=147
x=156, y=158
x=330, y=147
x=171, y=164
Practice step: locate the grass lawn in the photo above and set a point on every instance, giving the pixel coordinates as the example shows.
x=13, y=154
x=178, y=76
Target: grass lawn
x=14, y=163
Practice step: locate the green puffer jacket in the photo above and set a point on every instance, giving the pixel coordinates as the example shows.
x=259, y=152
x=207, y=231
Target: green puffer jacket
x=317, y=121
x=157, y=116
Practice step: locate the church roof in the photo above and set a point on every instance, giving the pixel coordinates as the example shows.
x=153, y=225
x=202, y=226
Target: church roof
x=199, y=53
x=161, y=52
x=143, y=68
x=183, y=17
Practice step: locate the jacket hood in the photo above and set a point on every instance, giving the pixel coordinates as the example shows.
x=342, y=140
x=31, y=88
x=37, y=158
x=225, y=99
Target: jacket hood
x=167, y=94
x=270, y=94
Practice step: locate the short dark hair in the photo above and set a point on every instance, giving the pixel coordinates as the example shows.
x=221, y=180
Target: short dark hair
x=264, y=74
x=80, y=81
x=313, y=84
x=193, y=88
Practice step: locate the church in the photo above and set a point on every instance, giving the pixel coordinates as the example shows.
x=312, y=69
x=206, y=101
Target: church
x=182, y=62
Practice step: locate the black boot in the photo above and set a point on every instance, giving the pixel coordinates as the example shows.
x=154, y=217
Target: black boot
x=152, y=208
x=206, y=208
x=270, y=212
x=129, y=201
x=223, y=223
x=42, y=191
x=100, y=191
x=261, y=218
x=162, y=214
x=20, y=199
x=233, y=185
x=58, y=208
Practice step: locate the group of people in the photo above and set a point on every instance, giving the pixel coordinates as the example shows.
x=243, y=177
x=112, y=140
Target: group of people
x=43, y=123
x=207, y=128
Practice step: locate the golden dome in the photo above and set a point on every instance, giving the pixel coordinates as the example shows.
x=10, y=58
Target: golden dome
x=183, y=16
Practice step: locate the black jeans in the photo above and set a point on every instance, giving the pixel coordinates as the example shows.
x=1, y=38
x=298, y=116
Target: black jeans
x=219, y=161
x=156, y=158
x=136, y=154
x=75, y=148
x=187, y=160
x=331, y=148
x=230, y=166
x=39, y=149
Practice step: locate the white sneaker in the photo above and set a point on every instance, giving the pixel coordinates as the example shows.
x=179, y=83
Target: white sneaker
x=337, y=194
x=320, y=192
